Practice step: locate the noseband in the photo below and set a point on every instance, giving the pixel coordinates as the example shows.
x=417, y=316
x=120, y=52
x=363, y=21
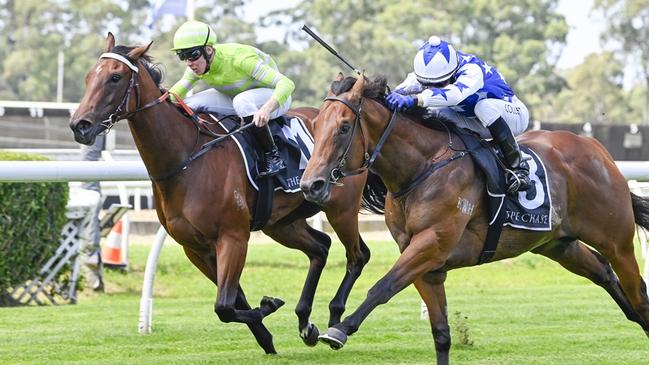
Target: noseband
x=133, y=84
x=338, y=172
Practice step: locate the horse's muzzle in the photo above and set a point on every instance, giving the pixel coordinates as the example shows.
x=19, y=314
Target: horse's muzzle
x=84, y=132
x=316, y=190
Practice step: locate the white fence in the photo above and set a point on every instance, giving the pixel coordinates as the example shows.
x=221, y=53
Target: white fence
x=30, y=171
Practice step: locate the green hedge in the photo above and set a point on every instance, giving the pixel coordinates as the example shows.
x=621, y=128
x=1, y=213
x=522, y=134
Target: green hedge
x=31, y=218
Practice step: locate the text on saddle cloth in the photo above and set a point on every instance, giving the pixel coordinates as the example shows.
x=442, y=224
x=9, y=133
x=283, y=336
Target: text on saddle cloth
x=527, y=209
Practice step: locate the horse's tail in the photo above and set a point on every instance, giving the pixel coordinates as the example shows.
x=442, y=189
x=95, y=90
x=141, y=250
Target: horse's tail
x=374, y=193
x=640, y=210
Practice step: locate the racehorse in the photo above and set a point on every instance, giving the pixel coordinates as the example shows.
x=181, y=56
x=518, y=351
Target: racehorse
x=592, y=205
x=206, y=203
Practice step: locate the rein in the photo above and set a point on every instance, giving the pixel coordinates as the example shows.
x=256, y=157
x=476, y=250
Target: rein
x=338, y=172
x=121, y=113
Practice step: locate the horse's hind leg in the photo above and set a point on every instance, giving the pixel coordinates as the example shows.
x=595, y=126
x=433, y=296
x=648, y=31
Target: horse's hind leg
x=315, y=244
x=358, y=254
x=208, y=267
x=581, y=260
x=431, y=289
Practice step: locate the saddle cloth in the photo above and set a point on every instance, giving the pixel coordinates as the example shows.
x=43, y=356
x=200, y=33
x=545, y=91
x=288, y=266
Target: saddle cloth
x=528, y=210
x=295, y=145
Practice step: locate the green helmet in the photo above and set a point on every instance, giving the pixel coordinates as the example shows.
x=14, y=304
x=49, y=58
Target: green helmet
x=193, y=34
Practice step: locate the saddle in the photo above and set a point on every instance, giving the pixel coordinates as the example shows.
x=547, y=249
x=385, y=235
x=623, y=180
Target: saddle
x=529, y=210
x=295, y=145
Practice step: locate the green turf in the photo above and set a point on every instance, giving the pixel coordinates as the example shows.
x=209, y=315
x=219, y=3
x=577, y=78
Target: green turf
x=523, y=311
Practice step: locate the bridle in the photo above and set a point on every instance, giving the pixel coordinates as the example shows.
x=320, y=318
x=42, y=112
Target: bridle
x=121, y=113
x=133, y=84
x=337, y=172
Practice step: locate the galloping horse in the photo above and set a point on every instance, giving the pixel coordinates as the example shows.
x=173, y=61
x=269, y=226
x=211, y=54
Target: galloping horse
x=592, y=205
x=206, y=206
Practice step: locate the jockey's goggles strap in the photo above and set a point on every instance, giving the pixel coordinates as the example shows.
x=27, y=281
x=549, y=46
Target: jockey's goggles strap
x=121, y=58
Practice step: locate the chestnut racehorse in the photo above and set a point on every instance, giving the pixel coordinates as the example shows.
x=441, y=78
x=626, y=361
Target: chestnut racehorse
x=206, y=203
x=592, y=205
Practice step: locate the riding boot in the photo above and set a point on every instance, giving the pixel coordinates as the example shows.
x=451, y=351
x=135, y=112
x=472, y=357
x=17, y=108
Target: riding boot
x=518, y=171
x=272, y=162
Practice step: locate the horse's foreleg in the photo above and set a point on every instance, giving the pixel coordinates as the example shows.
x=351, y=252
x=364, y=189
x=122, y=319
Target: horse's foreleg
x=353, y=272
x=262, y=334
x=315, y=245
x=207, y=265
x=358, y=254
x=230, y=258
x=431, y=289
x=423, y=254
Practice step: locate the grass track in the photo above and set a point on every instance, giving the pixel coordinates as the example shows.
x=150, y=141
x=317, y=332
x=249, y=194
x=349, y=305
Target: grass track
x=523, y=311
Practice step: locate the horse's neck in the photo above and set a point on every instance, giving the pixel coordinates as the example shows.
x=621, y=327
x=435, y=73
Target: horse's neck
x=409, y=148
x=163, y=137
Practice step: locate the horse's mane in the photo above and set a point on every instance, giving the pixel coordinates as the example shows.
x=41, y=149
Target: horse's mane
x=376, y=89
x=147, y=61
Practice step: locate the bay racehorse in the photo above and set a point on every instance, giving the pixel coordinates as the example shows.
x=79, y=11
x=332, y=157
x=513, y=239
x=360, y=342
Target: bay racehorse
x=593, y=220
x=206, y=203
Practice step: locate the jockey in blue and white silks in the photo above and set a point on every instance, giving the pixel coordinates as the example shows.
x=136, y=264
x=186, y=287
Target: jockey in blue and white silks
x=469, y=92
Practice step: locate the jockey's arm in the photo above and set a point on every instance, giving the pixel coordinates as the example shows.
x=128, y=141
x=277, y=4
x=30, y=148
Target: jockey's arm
x=269, y=77
x=469, y=80
x=182, y=86
x=409, y=86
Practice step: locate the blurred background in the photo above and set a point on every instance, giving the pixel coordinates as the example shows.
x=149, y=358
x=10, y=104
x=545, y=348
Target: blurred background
x=577, y=62
x=580, y=65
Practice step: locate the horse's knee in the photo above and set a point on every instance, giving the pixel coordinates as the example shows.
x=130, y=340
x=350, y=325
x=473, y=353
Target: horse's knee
x=303, y=310
x=226, y=314
x=336, y=308
x=442, y=338
x=383, y=290
x=435, y=277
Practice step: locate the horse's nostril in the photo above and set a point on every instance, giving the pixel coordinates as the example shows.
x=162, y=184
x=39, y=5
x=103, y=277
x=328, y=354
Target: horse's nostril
x=317, y=186
x=81, y=126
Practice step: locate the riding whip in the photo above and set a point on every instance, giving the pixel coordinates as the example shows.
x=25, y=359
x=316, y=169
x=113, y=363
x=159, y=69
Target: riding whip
x=328, y=47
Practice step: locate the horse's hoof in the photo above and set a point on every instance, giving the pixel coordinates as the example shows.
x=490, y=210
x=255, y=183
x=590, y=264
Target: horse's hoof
x=334, y=337
x=272, y=303
x=310, y=335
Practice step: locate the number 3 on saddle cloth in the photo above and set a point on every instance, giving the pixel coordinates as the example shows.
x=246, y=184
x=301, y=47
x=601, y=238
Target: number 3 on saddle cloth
x=530, y=210
x=295, y=145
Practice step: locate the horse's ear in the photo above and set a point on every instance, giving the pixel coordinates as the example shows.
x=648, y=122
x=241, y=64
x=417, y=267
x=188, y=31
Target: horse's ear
x=138, y=52
x=110, y=42
x=357, y=89
x=339, y=78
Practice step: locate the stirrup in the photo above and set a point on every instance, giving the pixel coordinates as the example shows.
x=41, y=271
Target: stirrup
x=272, y=167
x=517, y=181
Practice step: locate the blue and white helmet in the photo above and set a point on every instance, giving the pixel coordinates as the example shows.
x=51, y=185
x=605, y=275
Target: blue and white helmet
x=435, y=62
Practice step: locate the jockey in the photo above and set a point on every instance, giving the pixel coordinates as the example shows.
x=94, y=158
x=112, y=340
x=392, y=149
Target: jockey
x=466, y=90
x=243, y=81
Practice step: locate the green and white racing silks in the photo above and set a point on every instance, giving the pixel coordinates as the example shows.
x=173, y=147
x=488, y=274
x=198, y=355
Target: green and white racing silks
x=236, y=68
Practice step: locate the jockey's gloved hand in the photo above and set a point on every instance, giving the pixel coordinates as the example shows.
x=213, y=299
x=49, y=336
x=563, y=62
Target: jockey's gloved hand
x=398, y=102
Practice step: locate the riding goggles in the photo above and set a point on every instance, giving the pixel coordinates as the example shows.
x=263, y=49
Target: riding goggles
x=191, y=54
x=439, y=85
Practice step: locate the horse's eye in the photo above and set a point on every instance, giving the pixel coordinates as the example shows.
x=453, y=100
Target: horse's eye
x=344, y=128
x=115, y=77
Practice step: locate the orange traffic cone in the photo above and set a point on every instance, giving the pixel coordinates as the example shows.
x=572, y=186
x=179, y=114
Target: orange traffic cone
x=111, y=252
